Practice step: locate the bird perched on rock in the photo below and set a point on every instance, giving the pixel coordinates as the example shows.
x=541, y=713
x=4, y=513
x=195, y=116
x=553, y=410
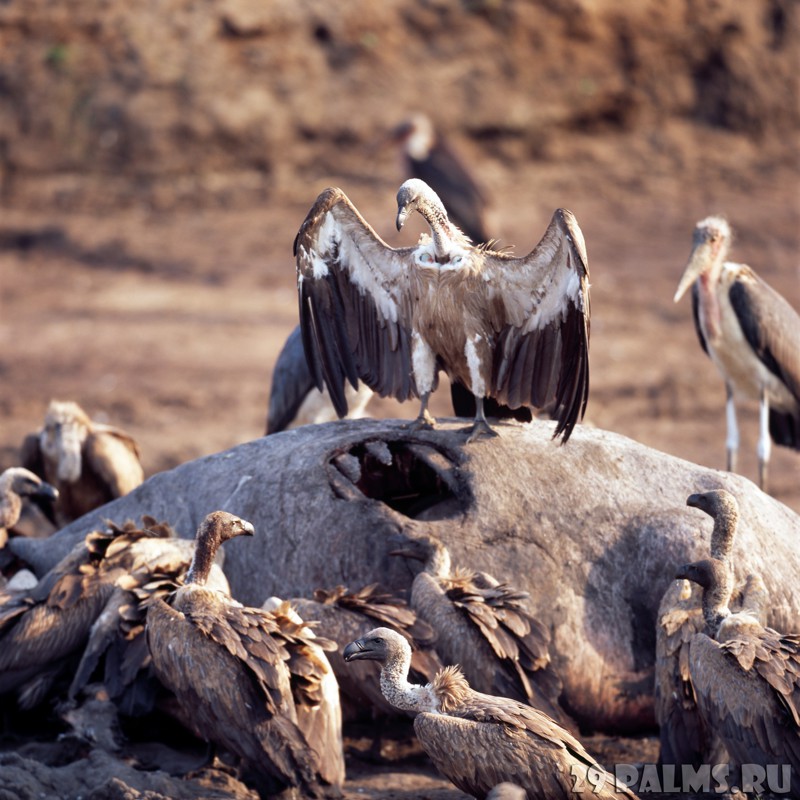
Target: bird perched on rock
x=751, y=334
x=89, y=463
x=229, y=669
x=478, y=741
x=516, y=329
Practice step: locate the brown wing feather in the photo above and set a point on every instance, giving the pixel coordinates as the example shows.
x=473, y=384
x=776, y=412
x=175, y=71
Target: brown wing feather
x=541, y=311
x=354, y=299
x=114, y=457
x=748, y=714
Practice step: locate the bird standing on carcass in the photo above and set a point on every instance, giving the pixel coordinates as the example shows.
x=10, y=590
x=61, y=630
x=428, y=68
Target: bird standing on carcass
x=516, y=329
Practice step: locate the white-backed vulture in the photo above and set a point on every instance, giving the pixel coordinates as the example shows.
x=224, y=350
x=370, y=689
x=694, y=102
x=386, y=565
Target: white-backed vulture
x=751, y=334
x=484, y=626
x=41, y=629
x=477, y=740
x=342, y=615
x=17, y=484
x=89, y=463
x=746, y=678
x=314, y=688
x=685, y=739
x=228, y=668
x=154, y=562
x=516, y=329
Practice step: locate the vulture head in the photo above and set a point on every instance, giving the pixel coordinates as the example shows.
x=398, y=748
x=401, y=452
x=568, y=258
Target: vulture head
x=216, y=528
x=709, y=573
x=66, y=427
x=427, y=549
x=723, y=508
x=15, y=484
x=380, y=644
x=710, y=243
x=416, y=195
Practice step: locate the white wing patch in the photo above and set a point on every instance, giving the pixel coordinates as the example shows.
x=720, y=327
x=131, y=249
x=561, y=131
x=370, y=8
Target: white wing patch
x=477, y=383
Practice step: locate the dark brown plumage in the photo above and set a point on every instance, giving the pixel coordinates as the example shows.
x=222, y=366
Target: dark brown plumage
x=476, y=740
x=41, y=630
x=685, y=739
x=484, y=626
x=746, y=678
x=229, y=669
x=516, y=329
x=90, y=464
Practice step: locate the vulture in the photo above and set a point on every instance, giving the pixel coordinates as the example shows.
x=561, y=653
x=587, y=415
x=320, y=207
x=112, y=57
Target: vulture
x=229, y=668
x=430, y=158
x=89, y=463
x=314, y=688
x=341, y=615
x=294, y=400
x=484, y=626
x=751, y=334
x=43, y=630
x=746, y=677
x=685, y=739
x=515, y=329
x=477, y=740
x=155, y=563
x=17, y=484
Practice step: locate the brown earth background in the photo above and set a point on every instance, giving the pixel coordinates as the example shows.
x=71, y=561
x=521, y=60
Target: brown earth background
x=156, y=160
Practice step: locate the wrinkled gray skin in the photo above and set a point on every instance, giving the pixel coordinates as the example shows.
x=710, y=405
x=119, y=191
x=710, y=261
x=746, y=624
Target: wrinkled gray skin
x=594, y=530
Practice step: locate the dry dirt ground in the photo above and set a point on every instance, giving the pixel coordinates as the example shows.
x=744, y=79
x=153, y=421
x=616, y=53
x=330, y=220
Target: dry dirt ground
x=156, y=161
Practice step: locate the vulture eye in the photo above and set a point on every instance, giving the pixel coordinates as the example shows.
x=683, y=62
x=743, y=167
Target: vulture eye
x=426, y=258
x=457, y=259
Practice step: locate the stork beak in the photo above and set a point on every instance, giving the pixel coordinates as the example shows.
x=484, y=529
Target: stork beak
x=354, y=651
x=402, y=214
x=693, y=270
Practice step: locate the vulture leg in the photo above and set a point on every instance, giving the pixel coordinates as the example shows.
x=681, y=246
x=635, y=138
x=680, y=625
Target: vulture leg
x=732, y=442
x=424, y=420
x=764, y=441
x=480, y=428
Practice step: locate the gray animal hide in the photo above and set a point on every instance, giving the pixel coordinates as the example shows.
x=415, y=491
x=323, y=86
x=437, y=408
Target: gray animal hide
x=594, y=530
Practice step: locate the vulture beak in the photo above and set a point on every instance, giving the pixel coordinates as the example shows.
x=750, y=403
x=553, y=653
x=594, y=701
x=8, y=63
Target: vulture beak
x=46, y=491
x=247, y=528
x=695, y=500
x=403, y=546
x=356, y=650
x=402, y=215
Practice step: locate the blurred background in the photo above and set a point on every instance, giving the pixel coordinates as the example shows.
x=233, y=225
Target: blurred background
x=157, y=159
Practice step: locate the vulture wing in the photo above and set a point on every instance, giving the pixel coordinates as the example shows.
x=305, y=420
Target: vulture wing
x=539, y=306
x=748, y=713
x=354, y=293
x=114, y=457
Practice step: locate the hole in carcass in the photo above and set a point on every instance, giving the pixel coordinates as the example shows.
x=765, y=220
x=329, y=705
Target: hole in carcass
x=412, y=478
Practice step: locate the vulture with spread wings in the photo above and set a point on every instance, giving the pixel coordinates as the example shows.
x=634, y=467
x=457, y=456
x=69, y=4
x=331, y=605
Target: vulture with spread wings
x=515, y=329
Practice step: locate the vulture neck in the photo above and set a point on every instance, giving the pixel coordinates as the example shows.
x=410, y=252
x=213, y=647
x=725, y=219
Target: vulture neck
x=446, y=236
x=395, y=686
x=438, y=564
x=205, y=550
x=725, y=521
x=715, y=606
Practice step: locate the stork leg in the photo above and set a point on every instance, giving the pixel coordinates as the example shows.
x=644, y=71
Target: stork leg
x=764, y=441
x=424, y=420
x=732, y=442
x=480, y=428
